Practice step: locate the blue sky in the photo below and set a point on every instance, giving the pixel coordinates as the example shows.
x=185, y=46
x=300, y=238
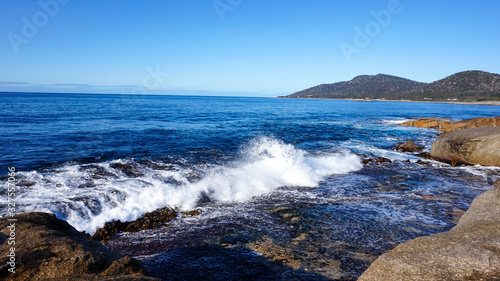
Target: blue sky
x=238, y=47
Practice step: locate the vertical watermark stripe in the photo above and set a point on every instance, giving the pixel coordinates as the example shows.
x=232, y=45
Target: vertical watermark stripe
x=11, y=210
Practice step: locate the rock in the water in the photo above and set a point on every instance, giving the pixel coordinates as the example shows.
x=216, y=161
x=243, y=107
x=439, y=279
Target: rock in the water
x=445, y=125
x=472, y=123
x=150, y=220
x=46, y=247
x=431, y=123
x=383, y=160
x=425, y=155
x=471, y=146
x=470, y=251
x=409, y=146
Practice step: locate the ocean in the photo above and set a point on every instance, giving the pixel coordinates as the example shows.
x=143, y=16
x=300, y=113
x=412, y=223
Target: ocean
x=285, y=170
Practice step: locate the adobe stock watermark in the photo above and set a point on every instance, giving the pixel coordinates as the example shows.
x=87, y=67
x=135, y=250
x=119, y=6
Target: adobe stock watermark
x=151, y=81
x=11, y=209
x=223, y=6
x=363, y=37
x=30, y=27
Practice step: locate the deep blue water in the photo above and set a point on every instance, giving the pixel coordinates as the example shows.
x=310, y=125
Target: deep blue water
x=43, y=130
x=90, y=159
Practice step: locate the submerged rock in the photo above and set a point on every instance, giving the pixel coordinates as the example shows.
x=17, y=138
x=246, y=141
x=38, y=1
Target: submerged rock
x=272, y=251
x=46, y=247
x=471, y=146
x=469, y=251
x=212, y=262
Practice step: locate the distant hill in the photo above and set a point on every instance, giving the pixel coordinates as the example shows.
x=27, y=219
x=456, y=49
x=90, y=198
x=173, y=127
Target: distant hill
x=463, y=86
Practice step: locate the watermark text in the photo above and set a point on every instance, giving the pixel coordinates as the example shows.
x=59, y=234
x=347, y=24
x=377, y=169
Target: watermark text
x=30, y=26
x=11, y=209
x=363, y=36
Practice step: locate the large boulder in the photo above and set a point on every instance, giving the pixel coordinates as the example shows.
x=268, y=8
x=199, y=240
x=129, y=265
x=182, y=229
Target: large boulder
x=37, y=246
x=471, y=146
x=469, y=251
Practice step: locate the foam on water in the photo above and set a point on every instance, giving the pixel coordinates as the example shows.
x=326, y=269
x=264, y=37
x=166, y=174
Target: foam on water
x=87, y=196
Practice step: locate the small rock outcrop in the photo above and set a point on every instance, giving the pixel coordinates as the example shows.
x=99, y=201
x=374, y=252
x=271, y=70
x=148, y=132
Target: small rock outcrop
x=431, y=123
x=470, y=146
x=472, y=123
x=445, y=125
x=409, y=146
x=469, y=251
x=43, y=247
x=150, y=220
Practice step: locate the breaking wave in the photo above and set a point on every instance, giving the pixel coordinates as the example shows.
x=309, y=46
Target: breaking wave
x=88, y=195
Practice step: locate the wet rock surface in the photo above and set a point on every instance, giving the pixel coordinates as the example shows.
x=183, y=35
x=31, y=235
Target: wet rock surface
x=469, y=251
x=149, y=220
x=46, y=247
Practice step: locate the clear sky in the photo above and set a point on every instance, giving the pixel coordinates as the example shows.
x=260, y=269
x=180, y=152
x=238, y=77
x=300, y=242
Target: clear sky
x=247, y=47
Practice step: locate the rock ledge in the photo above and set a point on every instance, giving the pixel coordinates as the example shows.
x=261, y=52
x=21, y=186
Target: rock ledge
x=469, y=251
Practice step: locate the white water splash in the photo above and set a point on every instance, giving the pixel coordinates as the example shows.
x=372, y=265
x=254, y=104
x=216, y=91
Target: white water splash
x=89, y=197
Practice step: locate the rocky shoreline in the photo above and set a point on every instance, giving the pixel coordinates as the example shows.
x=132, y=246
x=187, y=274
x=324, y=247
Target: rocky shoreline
x=51, y=249
x=470, y=250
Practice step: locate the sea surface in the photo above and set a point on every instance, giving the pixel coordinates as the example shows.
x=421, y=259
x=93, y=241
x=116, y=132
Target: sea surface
x=260, y=169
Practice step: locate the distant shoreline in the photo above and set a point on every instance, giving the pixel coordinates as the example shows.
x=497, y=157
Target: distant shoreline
x=497, y=103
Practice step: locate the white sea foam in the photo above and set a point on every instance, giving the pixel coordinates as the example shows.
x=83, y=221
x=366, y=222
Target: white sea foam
x=89, y=197
x=395, y=121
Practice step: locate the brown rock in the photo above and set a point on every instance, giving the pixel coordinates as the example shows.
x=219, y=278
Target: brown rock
x=383, y=160
x=269, y=249
x=150, y=220
x=425, y=155
x=432, y=123
x=446, y=126
x=409, y=146
x=470, y=251
x=192, y=213
x=472, y=123
x=367, y=160
x=470, y=146
x=46, y=247
x=427, y=163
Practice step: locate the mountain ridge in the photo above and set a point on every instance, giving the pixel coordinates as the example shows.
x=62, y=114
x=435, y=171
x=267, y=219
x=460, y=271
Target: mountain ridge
x=466, y=86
